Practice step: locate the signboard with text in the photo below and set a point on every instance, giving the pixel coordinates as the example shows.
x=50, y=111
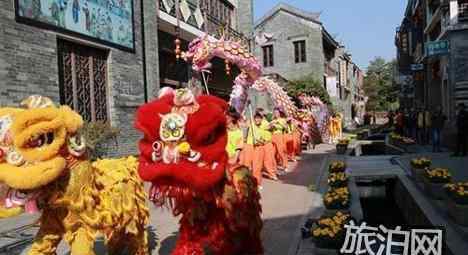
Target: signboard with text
x=437, y=48
x=417, y=67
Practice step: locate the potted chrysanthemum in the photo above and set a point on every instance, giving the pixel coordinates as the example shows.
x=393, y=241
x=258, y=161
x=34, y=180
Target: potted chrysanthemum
x=337, y=167
x=337, y=199
x=337, y=180
x=457, y=202
x=342, y=146
x=328, y=233
x=434, y=181
x=418, y=166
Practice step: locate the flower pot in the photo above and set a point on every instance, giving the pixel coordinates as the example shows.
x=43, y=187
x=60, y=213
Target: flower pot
x=329, y=245
x=338, y=184
x=418, y=174
x=362, y=135
x=325, y=251
x=434, y=190
x=458, y=212
x=341, y=149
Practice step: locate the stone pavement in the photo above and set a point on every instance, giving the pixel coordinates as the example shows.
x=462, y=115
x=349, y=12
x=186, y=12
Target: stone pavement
x=286, y=206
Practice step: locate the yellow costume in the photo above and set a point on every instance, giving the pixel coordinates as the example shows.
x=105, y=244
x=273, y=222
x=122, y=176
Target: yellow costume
x=235, y=142
x=45, y=156
x=334, y=129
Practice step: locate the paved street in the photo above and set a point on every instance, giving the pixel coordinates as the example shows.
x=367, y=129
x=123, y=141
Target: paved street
x=285, y=206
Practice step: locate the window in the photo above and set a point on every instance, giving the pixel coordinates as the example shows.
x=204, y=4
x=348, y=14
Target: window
x=268, y=55
x=463, y=10
x=83, y=80
x=300, y=52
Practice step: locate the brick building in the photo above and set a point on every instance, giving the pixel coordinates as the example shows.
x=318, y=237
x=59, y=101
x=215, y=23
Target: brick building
x=105, y=58
x=293, y=43
x=432, y=54
x=98, y=78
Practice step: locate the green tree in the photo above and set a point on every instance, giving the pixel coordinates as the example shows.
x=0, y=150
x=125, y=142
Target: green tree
x=379, y=87
x=309, y=86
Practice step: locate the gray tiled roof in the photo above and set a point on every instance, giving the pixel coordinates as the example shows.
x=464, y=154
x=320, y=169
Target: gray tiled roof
x=311, y=16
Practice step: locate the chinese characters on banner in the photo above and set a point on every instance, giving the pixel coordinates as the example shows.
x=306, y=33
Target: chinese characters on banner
x=364, y=239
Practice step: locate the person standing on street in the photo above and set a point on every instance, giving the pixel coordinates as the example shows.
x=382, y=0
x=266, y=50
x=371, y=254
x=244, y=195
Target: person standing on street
x=462, y=132
x=399, y=123
x=406, y=122
x=391, y=118
x=420, y=127
x=412, y=123
x=438, y=122
x=427, y=125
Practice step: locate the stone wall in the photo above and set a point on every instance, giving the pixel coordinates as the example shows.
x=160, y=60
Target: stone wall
x=245, y=18
x=28, y=65
x=287, y=28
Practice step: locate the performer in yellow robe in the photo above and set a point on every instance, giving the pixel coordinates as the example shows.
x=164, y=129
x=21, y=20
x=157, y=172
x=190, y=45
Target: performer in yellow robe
x=339, y=125
x=332, y=129
x=278, y=126
x=235, y=138
x=270, y=163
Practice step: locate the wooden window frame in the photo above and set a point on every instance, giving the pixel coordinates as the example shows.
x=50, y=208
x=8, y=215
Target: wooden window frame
x=300, y=53
x=268, y=55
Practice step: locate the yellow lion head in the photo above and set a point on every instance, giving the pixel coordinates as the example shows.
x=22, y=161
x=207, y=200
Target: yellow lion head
x=35, y=141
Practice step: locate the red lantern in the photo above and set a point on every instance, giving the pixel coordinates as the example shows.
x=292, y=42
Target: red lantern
x=177, y=48
x=2, y=153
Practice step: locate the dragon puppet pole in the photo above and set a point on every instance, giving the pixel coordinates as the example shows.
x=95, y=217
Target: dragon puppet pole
x=251, y=118
x=205, y=82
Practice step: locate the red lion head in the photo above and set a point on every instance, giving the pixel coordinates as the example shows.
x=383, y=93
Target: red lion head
x=184, y=140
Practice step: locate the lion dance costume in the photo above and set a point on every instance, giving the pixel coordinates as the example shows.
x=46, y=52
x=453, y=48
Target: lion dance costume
x=43, y=160
x=183, y=155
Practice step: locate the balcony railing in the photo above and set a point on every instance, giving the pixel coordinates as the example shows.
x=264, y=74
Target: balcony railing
x=463, y=11
x=200, y=19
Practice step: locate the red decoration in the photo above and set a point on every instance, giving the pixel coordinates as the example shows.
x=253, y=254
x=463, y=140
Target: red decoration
x=218, y=204
x=178, y=51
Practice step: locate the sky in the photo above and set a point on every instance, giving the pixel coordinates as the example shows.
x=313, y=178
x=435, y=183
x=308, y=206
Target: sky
x=366, y=27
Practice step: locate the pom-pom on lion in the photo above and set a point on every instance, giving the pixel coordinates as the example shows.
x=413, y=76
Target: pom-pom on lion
x=43, y=160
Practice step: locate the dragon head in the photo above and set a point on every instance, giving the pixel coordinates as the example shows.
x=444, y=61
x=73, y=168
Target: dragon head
x=200, y=52
x=184, y=140
x=35, y=141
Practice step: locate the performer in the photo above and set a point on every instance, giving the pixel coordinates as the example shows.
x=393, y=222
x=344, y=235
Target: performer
x=297, y=138
x=235, y=137
x=270, y=149
x=278, y=126
x=339, y=125
x=259, y=151
x=79, y=200
x=289, y=138
x=334, y=129
x=183, y=155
